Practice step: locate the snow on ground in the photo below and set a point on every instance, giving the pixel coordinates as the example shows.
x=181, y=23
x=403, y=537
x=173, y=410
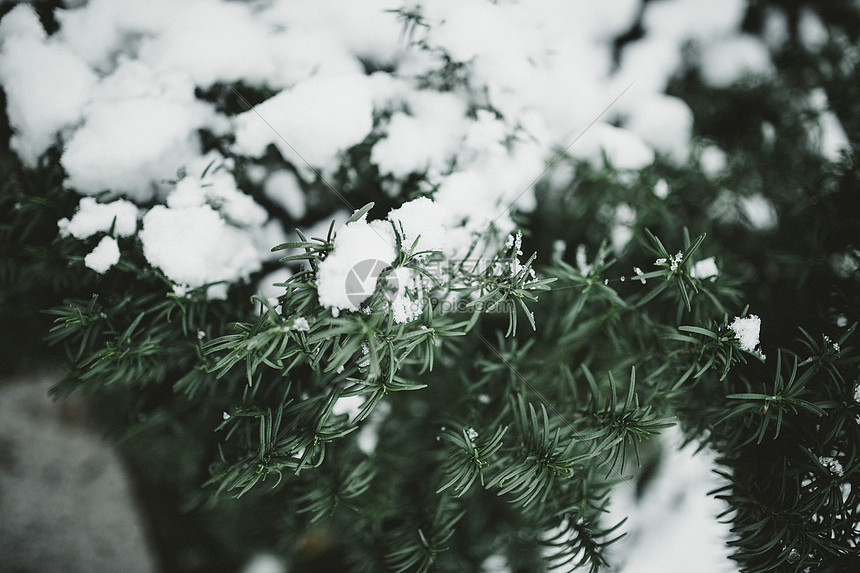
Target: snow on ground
x=671, y=523
x=672, y=528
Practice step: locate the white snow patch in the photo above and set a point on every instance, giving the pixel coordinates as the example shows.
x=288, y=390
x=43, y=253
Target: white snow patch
x=545, y=68
x=768, y=133
x=428, y=138
x=92, y=217
x=747, y=331
x=731, y=59
x=256, y=173
x=496, y=564
x=832, y=140
x=775, y=28
x=368, y=436
x=419, y=220
x=484, y=136
x=453, y=25
x=705, y=269
x=212, y=41
x=663, y=122
x=194, y=246
x=701, y=20
x=623, y=149
x=300, y=324
x=104, y=31
x=832, y=465
x=218, y=190
x=623, y=220
x=21, y=22
x=265, y=563
x=104, y=256
x=755, y=211
x=310, y=123
x=470, y=207
x=372, y=244
x=326, y=38
x=845, y=264
x=661, y=189
x=713, y=161
x=658, y=54
x=673, y=527
x=283, y=188
x=412, y=146
x=350, y=405
x=811, y=30
x=46, y=84
x=407, y=303
x=266, y=287
x=128, y=144
x=827, y=132
x=759, y=212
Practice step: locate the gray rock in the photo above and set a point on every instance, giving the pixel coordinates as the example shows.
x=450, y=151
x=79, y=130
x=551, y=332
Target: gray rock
x=65, y=501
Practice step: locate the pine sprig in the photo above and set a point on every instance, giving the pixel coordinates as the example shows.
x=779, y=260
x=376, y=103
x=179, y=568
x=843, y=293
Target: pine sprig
x=547, y=453
x=467, y=463
x=626, y=425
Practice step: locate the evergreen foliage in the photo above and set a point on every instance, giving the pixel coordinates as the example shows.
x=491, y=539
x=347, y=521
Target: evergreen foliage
x=502, y=426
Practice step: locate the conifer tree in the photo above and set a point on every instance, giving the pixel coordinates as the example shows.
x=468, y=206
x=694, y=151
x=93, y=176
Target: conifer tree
x=401, y=405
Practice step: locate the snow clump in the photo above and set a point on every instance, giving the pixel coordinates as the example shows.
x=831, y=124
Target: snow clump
x=128, y=89
x=208, y=232
x=747, y=332
x=283, y=188
x=372, y=244
x=140, y=127
x=310, y=123
x=731, y=59
x=831, y=464
x=33, y=70
x=104, y=256
x=194, y=246
x=362, y=251
x=92, y=217
x=419, y=223
x=705, y=269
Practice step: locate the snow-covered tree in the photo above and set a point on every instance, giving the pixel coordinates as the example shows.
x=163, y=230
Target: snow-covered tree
x=396, y=287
